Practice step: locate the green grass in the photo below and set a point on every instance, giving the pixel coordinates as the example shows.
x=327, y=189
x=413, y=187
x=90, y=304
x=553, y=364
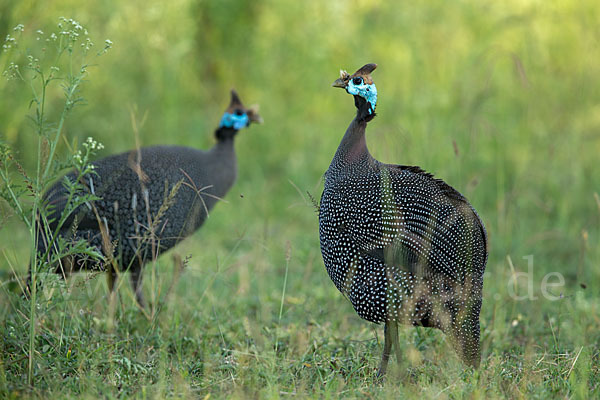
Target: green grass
x=498, y=99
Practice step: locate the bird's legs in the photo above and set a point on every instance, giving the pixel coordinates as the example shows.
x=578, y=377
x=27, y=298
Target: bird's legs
x=111, y=278
x=390, y=341
x=136, y=284
x=387, y=347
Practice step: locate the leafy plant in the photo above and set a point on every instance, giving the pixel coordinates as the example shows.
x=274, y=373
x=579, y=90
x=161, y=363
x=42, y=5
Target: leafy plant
x=62, y=59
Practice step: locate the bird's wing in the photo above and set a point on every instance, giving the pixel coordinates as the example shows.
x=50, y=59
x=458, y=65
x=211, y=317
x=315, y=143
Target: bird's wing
x=57, y=199
x=428, y=226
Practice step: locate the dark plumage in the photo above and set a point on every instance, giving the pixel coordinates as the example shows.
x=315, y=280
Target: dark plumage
x=403, y=246
x=150, y=199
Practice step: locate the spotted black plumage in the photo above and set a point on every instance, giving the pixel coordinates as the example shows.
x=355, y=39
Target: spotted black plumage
x=150, y=199
x=403, y=246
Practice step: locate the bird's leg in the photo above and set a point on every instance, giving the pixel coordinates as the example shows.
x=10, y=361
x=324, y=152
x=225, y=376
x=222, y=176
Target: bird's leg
x=136, y=284
x=395, y=344
x=66, y=266
x=111, y=277
x=387, y=348
x=28, y=284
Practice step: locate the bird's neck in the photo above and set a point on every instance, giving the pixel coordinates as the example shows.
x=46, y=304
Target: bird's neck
x=225, y=135
x=364, y=110
x=353, y=147
x=225, y=140
x=223, y=164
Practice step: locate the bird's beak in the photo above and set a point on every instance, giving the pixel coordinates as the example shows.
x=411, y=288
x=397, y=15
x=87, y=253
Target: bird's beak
x=253, y=115
x=340, y=83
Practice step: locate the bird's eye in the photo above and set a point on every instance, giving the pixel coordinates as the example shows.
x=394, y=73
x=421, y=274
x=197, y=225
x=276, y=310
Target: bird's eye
x=238, y=112
x=357, y=80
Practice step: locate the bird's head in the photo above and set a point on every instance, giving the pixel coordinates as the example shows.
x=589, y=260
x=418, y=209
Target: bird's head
x=360, y=84
x=237, y=116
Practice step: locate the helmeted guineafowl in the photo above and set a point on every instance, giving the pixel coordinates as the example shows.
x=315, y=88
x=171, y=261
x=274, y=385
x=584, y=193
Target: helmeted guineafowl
x=403, y=246
x=150, y=199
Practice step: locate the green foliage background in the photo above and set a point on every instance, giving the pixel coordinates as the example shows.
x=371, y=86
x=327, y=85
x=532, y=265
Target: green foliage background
x=500, y=99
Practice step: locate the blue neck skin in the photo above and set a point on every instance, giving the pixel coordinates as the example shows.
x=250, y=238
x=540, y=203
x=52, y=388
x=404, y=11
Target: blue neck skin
x=234, y=121
x=366, y=91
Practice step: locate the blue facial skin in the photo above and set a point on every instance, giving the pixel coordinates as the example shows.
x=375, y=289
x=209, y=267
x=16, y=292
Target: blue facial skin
x=366, y=91
x=234, y=121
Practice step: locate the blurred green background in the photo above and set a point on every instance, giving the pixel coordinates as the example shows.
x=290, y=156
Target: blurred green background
x=499, y=99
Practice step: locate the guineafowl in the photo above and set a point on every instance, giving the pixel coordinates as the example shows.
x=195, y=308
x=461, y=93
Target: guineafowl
x=402, y=246
x=149, y=200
